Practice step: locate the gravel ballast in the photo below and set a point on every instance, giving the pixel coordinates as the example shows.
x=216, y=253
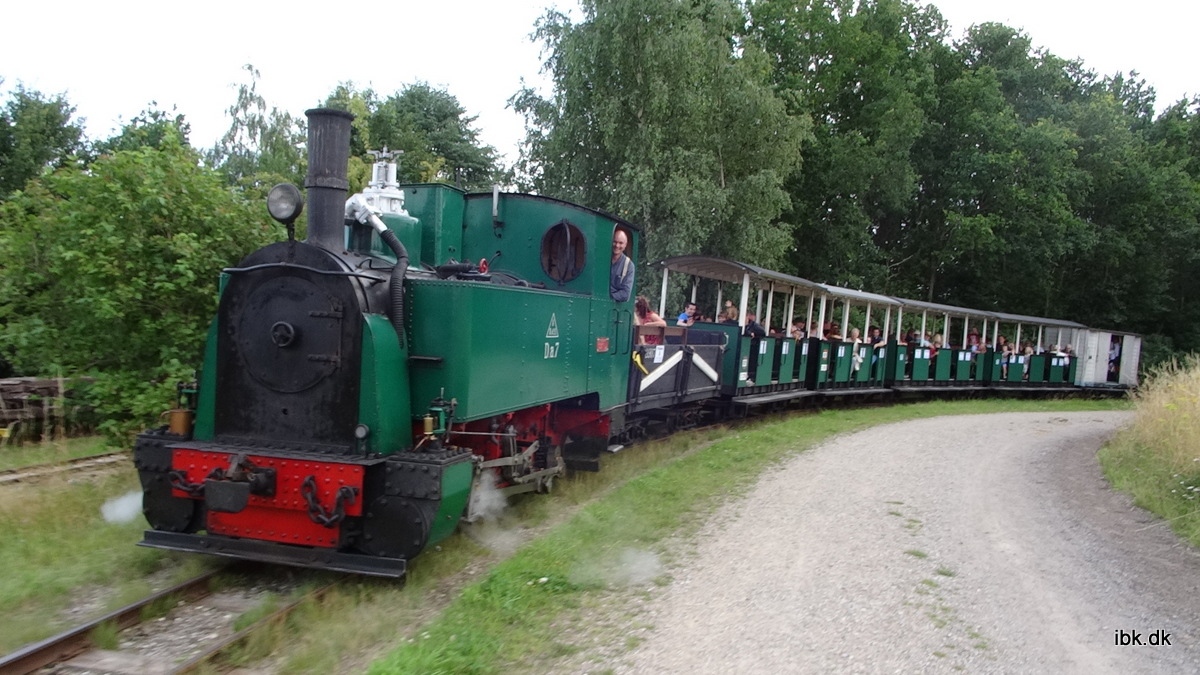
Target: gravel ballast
x=984, y=543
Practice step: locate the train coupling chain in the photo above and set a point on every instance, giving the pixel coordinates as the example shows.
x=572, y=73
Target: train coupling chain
x=319, y=514
x=180, y=482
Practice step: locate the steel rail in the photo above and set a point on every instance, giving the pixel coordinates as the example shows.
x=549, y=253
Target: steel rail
x=77, y=640
x=37, y=471
x=212, y=653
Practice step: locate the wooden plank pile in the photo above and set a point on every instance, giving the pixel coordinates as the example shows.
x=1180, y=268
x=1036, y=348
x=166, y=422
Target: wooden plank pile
x=31, y=398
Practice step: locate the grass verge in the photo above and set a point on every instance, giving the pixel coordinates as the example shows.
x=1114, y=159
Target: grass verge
x=18, y=456
x=63, y=563
x=511, y=619
x=1157, y=459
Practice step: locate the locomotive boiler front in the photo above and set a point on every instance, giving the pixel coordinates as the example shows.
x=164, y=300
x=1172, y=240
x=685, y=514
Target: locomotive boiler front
x=303, y=406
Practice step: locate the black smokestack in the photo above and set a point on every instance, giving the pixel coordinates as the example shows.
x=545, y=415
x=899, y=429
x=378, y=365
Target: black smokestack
x=328, y=154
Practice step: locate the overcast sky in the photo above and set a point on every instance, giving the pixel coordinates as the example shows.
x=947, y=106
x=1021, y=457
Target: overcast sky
x=112, y=58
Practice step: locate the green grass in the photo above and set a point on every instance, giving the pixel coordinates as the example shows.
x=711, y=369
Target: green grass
x=18, y=456
x=509, y=621
x=916, y=553
x=56, y=544
x=106, y=636
x=1157, y=460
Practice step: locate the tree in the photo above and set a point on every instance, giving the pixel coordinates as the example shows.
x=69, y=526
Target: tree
x=36, y=134
x=865, y=75
x=439, y=141
x=663, y=114
x=150, y=128
x=263, y=146
x=111, y=272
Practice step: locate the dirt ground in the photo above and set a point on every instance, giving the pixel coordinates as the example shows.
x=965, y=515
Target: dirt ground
x=985, y=543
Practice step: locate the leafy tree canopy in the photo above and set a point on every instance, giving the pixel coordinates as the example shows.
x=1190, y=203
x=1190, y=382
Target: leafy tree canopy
x=431, y=128
x=111, y=271
x=36, y=134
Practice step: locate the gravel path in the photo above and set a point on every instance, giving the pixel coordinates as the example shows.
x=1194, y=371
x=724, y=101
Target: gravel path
x=983, y=543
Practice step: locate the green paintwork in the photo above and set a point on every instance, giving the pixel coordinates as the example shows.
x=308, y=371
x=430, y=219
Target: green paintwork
x=842, y=362
x=517, y=248
x=206, y=402
x=1058, y=370
x=1072, y=369
x=962, y=365
x=920, y=361
x=942, y=361
x=439, y=208
x=863, y=374
x=785, y=357
x=764, y=352
x=1037, y=368
x=800, y=369
x=1016, y=369
x=731, y=359
x=499, y=352
x=364, y=239
x=895, y=360
x=743, y=361
x=820, y=367
x=383, y=398
x=456, y=490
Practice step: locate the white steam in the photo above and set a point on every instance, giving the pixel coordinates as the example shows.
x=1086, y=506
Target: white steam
x=123, y=509
x=487, y=526
x=487, y=501
x=630, y=567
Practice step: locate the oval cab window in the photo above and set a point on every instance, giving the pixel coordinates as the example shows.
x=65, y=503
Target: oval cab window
x=564, y=252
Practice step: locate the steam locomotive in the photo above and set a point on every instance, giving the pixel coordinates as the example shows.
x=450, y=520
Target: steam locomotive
x=359, y=387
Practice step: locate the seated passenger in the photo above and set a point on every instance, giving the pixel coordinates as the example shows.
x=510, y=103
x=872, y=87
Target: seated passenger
x=752, y=328
x=644, y=316
x=797, y=330
x=731, y=316
x=856, y=354
x=835, y=332
x=1005, y=350
x=688, y=317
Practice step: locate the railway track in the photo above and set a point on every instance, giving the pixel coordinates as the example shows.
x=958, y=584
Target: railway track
x=206, y=618
x=30, y=474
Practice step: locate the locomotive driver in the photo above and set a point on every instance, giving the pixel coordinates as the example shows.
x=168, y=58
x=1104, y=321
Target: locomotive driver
x=621, y=281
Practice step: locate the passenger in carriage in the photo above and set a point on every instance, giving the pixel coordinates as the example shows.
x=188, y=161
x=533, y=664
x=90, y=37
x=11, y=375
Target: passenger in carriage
x=854, y=340
x=752, y=328
x=731, y=315
x=973, y=341
x=688, y=317
x=1005, y=350
x=935, y=345
x=877, y=342
x=644, y=316
x=835, y=332
x=797, y=330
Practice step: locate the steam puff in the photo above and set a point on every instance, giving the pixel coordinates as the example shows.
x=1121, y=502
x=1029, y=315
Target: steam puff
x=631, y=567
x=486, y=499
x=123, y=509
